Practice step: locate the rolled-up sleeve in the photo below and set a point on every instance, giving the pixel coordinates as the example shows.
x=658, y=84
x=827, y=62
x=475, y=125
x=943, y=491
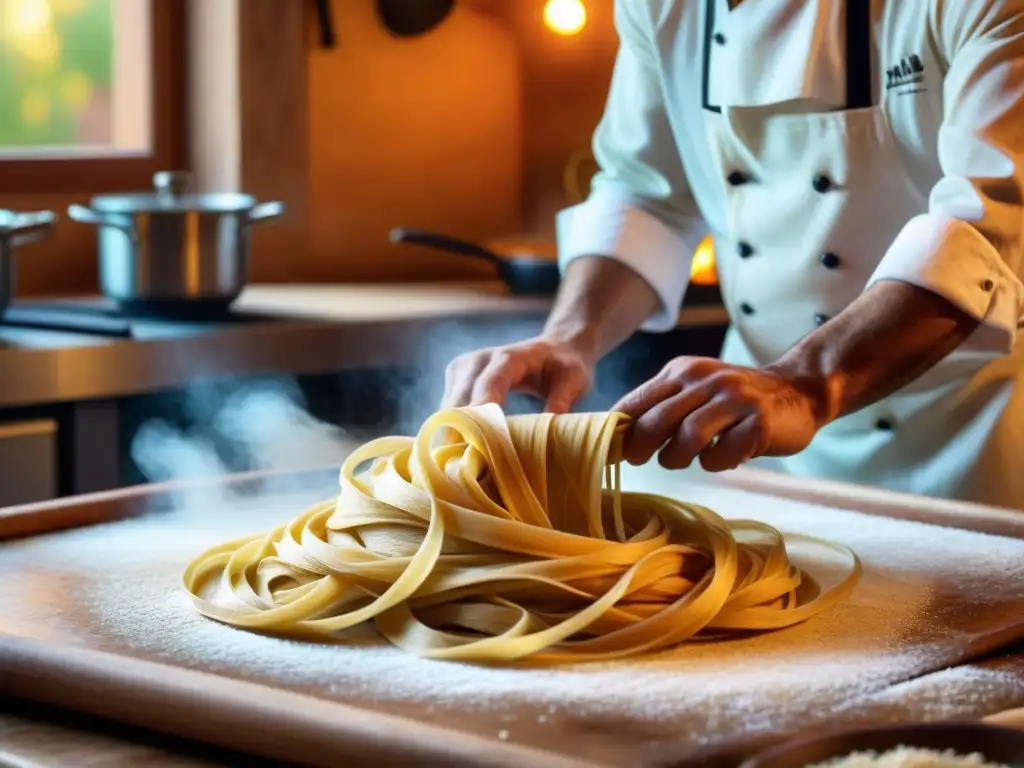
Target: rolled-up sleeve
x=640, y=210
x=967, y=247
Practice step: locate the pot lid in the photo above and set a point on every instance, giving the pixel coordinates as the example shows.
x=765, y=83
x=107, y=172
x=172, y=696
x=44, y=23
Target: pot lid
x=169, y=196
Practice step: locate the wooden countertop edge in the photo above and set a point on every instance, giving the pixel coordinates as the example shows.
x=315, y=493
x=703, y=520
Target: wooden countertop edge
x=476, y=298
x=422, y=300
x=178, y=701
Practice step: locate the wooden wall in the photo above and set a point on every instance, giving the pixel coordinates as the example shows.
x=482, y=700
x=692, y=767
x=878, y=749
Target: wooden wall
x=565, y=84
x=421, y=132
x=464, y=130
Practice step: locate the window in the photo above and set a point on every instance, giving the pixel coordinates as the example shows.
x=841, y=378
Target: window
x=90, y=93
x=76, y=78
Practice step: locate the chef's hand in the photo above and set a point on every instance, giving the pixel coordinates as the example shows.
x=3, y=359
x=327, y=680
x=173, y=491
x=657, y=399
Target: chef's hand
x=721, y=413
x=557, y=372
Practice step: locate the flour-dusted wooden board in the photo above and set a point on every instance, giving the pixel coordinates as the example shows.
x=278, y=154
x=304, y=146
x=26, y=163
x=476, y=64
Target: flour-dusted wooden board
x=930, y=598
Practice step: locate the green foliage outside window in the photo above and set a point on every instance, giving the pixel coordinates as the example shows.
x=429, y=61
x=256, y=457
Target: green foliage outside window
x=56, y=72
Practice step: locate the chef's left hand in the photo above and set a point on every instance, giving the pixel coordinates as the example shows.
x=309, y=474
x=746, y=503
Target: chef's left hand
x=694, y=400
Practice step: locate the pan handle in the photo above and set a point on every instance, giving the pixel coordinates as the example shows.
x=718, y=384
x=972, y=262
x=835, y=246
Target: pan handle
x=444, y=243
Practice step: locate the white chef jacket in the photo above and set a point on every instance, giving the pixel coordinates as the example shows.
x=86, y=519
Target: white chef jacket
x=740, y=122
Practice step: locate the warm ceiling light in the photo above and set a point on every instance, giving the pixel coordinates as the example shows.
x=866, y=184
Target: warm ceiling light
x=566, y=17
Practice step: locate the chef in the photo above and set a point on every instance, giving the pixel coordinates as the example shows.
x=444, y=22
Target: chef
x=861, y=167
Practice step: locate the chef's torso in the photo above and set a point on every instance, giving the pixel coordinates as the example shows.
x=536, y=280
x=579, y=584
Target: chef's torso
x=808, y=133
x=803, y=187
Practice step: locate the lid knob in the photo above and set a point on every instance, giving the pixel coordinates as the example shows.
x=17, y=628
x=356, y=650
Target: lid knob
x=170, y=184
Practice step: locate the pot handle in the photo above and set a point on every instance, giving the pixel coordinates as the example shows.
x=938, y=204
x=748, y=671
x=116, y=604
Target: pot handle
x=265, y=212
x=30, y=227
x=84, y=215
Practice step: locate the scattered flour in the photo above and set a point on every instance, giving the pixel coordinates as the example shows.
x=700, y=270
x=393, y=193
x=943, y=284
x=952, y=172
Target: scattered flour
x=906, y=757
x=951, y=694
x=117, y=588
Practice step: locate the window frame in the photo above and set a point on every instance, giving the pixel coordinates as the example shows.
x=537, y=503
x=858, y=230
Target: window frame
x=169, y=151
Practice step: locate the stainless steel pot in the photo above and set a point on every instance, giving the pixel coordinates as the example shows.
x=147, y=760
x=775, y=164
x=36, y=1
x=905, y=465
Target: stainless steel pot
x=168, y=249
x=17, y=229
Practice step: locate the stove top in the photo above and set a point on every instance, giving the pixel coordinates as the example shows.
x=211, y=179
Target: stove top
x=78, y=321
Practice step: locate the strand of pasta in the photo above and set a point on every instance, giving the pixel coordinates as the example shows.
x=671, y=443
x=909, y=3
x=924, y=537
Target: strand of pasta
x=489, y=538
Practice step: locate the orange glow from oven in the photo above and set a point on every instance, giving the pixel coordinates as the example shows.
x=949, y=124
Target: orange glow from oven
x=702, y=270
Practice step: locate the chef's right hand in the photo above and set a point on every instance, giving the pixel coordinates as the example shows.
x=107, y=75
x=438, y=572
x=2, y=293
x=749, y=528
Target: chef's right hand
x=555, y=371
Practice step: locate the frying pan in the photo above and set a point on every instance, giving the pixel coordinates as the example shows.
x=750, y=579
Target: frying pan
x=408, y=18
x=524, y=275
x=995, y=744
x=402, y=18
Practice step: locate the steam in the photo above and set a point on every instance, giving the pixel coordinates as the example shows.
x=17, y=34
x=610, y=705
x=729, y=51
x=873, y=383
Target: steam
x=165, y=453
x=278, y=433
x=234, y=427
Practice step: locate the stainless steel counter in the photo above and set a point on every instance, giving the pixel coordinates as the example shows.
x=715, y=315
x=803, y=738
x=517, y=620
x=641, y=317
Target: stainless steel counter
x=308, y=329
x=365, y=357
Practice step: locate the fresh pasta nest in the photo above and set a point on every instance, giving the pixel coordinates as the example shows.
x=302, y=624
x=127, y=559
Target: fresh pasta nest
x=489, y=538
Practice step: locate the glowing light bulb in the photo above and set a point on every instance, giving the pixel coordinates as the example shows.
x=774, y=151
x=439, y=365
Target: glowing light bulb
x=566, y=17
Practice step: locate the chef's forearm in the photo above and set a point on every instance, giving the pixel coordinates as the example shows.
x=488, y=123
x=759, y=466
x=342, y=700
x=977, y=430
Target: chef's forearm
x=600, y=303
x=888, y=337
